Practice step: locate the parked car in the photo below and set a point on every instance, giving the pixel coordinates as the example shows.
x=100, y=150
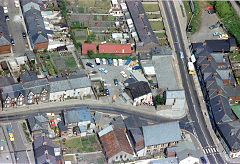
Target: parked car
x=204, y=161
x=120, y=62
x=208, y=8
x=211, y=11
x=115, y=63
x=97, y=60
x=107, y=92
x=123, y=74
x=223, y=36
x=105, y=71
x=104, y=61
x=101, y=69
x=16, y=3
x=5, y=10
x=110, y=62
x=24, y=34
x=136, y=67
x=217, y=33
x=115, y=82
x=90, y=64
x=132, y=64
x=128, y=61
x=6, y=17
x=12, y=42
x=213, y=26
x=181, y=55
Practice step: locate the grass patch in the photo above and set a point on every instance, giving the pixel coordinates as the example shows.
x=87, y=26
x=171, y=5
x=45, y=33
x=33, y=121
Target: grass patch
x=26, y=132
x=151, y=7
x=183, y=14
x=102, y=4
x=156, y=26
x=163, y=42
x=84, y=3
x=160, y=35
x=196, y=20
x=154, y=16
x=70, y=62
x=68, y=158
x=188, y=10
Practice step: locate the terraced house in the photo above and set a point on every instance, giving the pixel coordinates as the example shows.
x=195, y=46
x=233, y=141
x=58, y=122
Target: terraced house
x=37, y=33
x=220, y=90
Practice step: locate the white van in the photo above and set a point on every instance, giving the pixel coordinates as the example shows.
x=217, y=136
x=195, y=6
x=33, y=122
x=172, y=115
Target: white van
x=120, y=62
x=97, y=60
x=115, y=62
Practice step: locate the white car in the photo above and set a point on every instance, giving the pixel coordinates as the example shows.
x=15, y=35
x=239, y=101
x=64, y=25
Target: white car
x=104, y=61
x=16, y=3
x=5, y=10
x=123, y=74
x=115, y=62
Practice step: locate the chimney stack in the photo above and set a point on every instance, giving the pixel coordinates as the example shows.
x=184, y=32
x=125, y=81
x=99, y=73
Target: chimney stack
x=220, y=92
x=214, y=75
x=209, y=58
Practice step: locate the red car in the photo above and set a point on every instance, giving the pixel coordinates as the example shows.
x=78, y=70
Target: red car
x=208, y=8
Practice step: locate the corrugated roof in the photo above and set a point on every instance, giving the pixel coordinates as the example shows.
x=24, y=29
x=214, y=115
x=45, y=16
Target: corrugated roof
x=105, y=130
x=161, y=133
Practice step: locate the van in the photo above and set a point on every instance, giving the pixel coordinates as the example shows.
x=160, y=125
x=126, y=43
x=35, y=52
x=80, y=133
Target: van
x=115, y=63
x=120, y=62
x=97, y=60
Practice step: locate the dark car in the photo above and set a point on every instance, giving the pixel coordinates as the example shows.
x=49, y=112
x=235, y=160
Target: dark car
x=115, y=82
x=6, y=17
x=90, y=64
x=107, y=92
x=211, y=11
x=136, y=67
x=204, y=161
x=12, y=42
x=24, y=35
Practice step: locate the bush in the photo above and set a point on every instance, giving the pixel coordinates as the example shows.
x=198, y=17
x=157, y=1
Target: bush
x=196, y=20
x=158, y=100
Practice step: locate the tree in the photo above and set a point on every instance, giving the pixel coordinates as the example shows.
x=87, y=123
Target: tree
x=158, y=100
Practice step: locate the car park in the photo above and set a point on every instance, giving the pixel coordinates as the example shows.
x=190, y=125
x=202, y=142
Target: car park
x=123, y=74
x=24, y=35
x=104, y=61
x=12, y=42
x=213, y=26
x=204, y=161
x=110, y=62
x=217, y=33
x=90, y=64
x=115, y=82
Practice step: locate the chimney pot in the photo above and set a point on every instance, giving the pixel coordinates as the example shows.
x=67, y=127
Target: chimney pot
x=220, y=92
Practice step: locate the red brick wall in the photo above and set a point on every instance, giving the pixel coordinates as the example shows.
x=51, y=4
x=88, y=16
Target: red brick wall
x=5, y=49
x=41, y=46
x=226, y=81
x=123, y=54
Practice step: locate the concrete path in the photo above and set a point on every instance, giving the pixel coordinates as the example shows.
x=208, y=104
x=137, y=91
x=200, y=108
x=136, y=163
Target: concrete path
x=236, y=7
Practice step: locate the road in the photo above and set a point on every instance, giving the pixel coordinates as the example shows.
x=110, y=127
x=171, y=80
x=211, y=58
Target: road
x=16, y=27
x=195, y=114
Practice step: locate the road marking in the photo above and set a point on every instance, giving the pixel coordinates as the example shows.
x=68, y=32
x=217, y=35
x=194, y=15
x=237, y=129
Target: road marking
x=214, y=150
x=204, y=151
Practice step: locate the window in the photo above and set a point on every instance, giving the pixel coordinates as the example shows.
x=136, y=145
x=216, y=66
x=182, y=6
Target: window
x=20, y=100
x=116, y=157
x=121, y=156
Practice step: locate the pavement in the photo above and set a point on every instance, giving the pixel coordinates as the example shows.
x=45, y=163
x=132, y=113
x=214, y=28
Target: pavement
x=235, y=6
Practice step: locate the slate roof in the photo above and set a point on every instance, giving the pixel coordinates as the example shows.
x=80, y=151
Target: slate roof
x=28, y=76
x=24, y=2
x=161, y=133
x=177, y=94
x=137, y=89
x=118, y=122
x=30, y=5
x=231, y=133
x=5, y=80
x=114, y=142
x=88, y=47
x=77, y=115
x=35, y=25
x=36, y=86
x=134, y=122
x=102, y=119
x=35, y=122
x=30, y=55
x=115, y=48
x=44, y=151
x=13, y=91
x=61, y=126
x=4, y=34
x=232, y=91
x=142, y=25
x=59, y=84
x=79, y=81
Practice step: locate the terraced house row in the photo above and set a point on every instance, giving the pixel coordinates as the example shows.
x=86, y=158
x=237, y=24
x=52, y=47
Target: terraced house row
x=29, y=89
x=220, y=90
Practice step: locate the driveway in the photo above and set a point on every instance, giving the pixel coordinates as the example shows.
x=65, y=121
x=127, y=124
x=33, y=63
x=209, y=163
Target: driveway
x=204, y=32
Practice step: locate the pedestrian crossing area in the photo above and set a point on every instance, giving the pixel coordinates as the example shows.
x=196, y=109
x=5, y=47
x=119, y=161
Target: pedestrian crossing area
x=210, y=150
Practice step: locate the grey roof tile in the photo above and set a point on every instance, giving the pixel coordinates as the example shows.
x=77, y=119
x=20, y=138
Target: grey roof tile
x=4, y=34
